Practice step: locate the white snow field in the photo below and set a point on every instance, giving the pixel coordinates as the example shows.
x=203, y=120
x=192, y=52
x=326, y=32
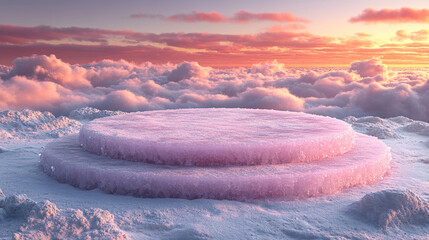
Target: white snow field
x=394, y=208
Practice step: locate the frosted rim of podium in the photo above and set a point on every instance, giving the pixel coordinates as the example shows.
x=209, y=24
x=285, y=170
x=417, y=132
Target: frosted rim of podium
x=366, y=163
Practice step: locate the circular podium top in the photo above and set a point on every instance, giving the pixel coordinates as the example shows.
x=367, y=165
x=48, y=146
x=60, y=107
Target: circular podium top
x=217, y=137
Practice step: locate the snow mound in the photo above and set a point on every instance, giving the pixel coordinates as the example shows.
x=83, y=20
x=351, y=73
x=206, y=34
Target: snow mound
x=374, y=126
x=44, y=220
x=392, y=208
x=418, y=127
x=5, y=135
x=65, y=161
x=188, y=233
x=16, y=206
x=426, y=161
x=89, y=113
x=34, y=124
x=401, y=119
x=370, y=119
x=217, y=137
x=2, y=149
x=1, y=195
x=381, y=132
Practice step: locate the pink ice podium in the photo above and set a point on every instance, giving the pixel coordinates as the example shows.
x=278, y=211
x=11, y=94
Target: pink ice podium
x=235, y=154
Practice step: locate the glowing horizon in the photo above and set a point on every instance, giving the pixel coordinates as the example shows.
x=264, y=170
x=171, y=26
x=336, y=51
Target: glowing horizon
x=308, y=33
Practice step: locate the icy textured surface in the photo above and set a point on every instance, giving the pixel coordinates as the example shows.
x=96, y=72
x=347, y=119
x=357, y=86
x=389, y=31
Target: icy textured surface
x=375, y=126
x=401, y=119
x=392, y=208
x=43, y=220
x=17, y=206
x=34, y=124
x=2, y=149
x=65, y=160
x=5, y=135
x=419, y=127
x=89, y=113
x=216, y=137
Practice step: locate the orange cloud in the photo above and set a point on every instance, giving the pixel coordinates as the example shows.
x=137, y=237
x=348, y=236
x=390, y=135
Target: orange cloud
x=421, y=35
x=297, y=48
x=401, y=15
x=285, y=28
x=363, y=34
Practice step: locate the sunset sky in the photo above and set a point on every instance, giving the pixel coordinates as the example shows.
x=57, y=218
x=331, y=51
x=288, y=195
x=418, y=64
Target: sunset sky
x=218, y=33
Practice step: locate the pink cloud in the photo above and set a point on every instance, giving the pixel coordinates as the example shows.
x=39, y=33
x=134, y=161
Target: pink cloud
x=187, y=70
x=195, y=16
x=400, y=100
x=267, y=98
x=369, y=68
x=404, y=14
x=272, y=68
x=20, y=92
x=51, y=69
x=245, y=17
x=363, y=34
x=124, y=100
x=286, y=28
x=23, y=35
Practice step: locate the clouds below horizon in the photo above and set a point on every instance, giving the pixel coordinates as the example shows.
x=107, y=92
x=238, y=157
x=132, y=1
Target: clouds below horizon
x=48, y=84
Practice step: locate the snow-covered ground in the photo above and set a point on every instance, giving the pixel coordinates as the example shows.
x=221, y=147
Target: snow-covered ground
x=395, y=208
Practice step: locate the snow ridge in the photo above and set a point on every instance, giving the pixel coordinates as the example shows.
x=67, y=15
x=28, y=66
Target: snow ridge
x=89, y=113
x=374, y=126
x=392, y=208
x=34, y=124
x=43, y=220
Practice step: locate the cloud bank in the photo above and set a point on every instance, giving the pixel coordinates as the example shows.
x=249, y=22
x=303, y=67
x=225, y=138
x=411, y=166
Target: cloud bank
x=421, y=35
x=283, y=42
x=46, y=83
